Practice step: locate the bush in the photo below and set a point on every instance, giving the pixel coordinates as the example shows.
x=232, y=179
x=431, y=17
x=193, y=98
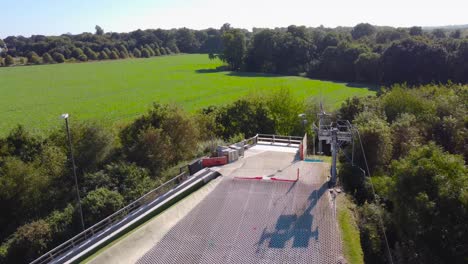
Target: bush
x=83, y=57
x=99, y=204
x=58, y=57
x=46, y=58
x=33, y=58
x=9, y=60
x=136, y=53
x=145, y=53
x=28, y=242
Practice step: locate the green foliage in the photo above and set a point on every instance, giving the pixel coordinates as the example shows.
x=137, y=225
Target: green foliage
x=92, y=143
x=90, y=54
x=161, y=138
x=46, y=58
x=99, y=30
x=234, y=48
x=33, y=58
x=103, y=55
x=136, y=53
x=9, y=60
x=58, y=57
x=131, y=181
x=406, y=134
x=83, y=57
x=376, y=135
x=430, y=205
x=244, y=117
x=401, y=100
x=368, y=67
x=362, y=30
x=284, y=110
x=416, y=31
x=28, y=242
x=414, y=61
x=372, y=240
x=114, y=55
x=99, y=204
x=145, y=53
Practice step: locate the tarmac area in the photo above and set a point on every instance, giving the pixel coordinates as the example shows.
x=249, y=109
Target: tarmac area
x=233, y=220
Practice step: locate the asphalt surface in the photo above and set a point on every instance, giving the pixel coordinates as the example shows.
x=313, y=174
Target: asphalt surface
x=256, y=221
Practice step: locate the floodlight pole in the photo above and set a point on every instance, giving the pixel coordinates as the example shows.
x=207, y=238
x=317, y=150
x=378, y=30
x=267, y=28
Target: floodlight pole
x=65, y=116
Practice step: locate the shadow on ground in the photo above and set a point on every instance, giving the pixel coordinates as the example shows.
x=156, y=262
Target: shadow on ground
x=237, y=74
x=297, y=227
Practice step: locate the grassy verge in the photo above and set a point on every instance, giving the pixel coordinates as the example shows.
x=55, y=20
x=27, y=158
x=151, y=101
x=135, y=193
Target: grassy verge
x=326, y=159
x=349, y=230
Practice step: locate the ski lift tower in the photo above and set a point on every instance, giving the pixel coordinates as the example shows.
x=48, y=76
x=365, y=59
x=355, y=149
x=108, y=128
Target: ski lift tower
x=335, y=134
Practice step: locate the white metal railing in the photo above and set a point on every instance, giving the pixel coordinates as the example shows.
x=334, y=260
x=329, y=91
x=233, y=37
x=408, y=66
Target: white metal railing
x=279, y=139
x=111, y=219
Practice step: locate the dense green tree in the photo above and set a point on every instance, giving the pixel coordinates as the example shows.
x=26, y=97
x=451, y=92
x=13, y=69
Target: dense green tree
x=367, y=67
x=90, y=54
x=459, y=67
x=438, y=33
x=456, y=34
x=234, y=44
x=99, y=204
x=46, y=58
x=145, y=53
x=114, y=55
x=77, y=53
x=83, y=57
x=285, y=109
x=362, y=30
x=416, y=31
x=158, y=52
x=103, y=56
x=9, y=60
x=33, y=58
x=389, y=35
x=162, y=137
x=28, y=242
x=130, y=180
x=186, y=40
x=99, y=30
x=58, y=57
x=430, y=199
x=377, y=141
x=136, y=53
x=244, y=117
x=414, y=62
x=405, y=135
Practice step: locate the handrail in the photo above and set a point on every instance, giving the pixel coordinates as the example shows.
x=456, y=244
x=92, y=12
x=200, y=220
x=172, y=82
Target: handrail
x=111, y=219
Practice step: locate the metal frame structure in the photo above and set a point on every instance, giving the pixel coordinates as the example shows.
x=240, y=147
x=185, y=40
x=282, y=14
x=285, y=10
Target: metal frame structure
x=336, y=134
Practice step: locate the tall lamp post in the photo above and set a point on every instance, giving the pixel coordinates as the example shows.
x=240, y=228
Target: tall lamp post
x=65, y=116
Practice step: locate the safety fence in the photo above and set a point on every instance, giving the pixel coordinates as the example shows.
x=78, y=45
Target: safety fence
x=279, y=140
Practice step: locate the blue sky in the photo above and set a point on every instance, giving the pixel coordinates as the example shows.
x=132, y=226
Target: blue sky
x=53, y=17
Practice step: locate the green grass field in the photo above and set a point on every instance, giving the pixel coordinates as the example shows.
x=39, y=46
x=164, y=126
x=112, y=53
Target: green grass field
x=117, y=91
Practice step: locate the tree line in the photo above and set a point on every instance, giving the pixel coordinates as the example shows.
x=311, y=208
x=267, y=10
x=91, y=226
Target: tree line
x=364, y=53
x=39, y=49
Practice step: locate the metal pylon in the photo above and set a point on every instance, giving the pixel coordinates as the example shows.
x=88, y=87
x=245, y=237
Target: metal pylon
x=335, y=134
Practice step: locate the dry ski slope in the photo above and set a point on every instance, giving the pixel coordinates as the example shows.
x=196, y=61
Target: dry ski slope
x=247, y=221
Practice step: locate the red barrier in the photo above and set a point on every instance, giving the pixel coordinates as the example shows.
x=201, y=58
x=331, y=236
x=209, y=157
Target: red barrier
x=210, y=162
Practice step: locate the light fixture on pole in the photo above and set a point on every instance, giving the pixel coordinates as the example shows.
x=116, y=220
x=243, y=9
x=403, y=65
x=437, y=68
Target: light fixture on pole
x=65, y=116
